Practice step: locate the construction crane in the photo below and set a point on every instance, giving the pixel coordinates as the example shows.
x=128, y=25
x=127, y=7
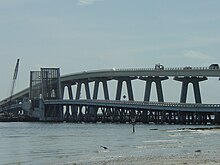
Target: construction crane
x=14, y=80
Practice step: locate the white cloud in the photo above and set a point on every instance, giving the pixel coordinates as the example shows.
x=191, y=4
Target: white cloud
x=86, y=2
x=197, y=55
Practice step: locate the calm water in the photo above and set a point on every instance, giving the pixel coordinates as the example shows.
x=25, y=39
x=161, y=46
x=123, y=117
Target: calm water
x=60, y=143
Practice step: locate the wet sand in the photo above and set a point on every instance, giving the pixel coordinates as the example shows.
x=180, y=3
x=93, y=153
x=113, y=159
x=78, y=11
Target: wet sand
x=199, y=159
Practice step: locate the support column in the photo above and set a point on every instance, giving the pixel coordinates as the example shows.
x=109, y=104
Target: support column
x=62, y=90
x=184, y=91
x=159, y=89
x=197, y=92
x=185, y=82
x=73, y=108
x=87, y=90
x=119, y=89
x=147, y=91
x=78, y=90
x=79, y=87
x=96, y=88
x=129, y=88
x=69, y=88
x=70, y=92
x=67, y=113
x=105, y=89
x=41, y=110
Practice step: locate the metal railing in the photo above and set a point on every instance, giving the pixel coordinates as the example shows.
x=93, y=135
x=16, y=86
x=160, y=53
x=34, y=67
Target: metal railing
x=130, y=104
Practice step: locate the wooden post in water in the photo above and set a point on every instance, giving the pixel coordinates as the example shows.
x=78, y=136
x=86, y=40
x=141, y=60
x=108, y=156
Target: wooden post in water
x=133, y=124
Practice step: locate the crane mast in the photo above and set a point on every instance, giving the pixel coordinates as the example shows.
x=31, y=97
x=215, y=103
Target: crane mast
x=14, y=79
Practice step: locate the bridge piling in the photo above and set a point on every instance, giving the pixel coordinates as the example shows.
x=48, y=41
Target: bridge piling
x=217, y=118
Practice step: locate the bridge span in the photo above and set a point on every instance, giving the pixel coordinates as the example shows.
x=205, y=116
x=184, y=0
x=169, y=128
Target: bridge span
x=138, y=111
x=45, y=96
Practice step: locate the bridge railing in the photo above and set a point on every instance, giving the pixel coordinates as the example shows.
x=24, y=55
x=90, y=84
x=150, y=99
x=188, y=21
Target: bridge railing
x=168, y=104
x=122, y=102
x=166, y=68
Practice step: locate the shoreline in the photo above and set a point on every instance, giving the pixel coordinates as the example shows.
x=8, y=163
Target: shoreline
x=173, y=159
x=159, y=160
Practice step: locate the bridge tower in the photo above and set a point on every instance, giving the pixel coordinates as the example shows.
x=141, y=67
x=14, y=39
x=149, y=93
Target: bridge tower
x=45, y=85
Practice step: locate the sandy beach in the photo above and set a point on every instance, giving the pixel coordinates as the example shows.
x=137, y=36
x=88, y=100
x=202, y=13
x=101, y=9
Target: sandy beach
x=193, y=159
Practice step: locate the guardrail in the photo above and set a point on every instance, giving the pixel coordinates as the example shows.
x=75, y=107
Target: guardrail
x=142, y=69
x=164, y=69
x=134, y=104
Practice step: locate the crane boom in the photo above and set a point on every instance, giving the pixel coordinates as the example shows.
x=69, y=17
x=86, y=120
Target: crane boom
x=14, y=79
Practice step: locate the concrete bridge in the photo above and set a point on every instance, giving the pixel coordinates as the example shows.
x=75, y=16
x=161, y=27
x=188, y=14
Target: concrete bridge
x=45, y=96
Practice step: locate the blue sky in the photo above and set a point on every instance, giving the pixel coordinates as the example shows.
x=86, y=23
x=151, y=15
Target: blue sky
x=78, y=35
